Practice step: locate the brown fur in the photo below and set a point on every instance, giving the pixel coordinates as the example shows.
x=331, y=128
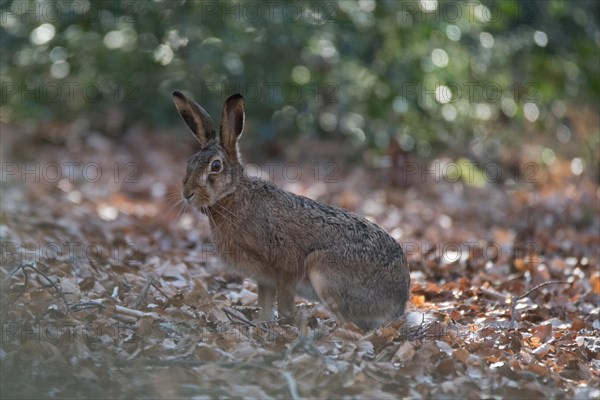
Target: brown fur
x=288, y=243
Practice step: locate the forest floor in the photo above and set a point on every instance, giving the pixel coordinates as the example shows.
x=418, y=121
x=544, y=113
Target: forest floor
x=110, y=289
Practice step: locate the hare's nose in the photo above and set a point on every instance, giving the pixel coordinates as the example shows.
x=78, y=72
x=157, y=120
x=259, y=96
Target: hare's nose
x=188, y=196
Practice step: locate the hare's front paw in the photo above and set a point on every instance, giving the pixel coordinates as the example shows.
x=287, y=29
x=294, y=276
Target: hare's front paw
x=266, y=302
x=301, y=318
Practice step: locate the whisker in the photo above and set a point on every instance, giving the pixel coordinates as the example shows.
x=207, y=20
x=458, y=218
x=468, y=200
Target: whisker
x=174, y=193
x=182, y=210
x=224, y=217
x=165, y=216
x=173, y=197
x=225, y=209
x=212, y=219
x=205, y=209
x=221, y=214
x=173, y=206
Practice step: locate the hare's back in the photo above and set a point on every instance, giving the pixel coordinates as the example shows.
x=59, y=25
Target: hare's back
x=315, y=225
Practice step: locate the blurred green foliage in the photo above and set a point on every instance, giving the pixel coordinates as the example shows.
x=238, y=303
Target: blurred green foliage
x=459, y=74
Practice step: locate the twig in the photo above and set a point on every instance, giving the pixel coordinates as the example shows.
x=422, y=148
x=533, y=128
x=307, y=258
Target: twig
x=57, y=288
x=135, y=313
x=142, y=297
x=11, y=273
x=22, y=267
x=86, y=304
x=493, y=293
x=513, y=308
x=291, y=384
x=234, y=314
x=118, y=309
x=160, y=291
x=16, y=297
x=417, y=333
x=541, y=285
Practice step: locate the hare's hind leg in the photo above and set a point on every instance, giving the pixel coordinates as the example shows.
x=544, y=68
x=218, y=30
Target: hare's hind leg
x=325, y=281
x=348, y=295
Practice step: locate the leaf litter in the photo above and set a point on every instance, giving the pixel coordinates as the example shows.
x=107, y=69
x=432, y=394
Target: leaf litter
x=112, y=289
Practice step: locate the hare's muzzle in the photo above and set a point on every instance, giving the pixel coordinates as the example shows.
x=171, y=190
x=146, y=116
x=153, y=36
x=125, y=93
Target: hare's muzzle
x=188, y=196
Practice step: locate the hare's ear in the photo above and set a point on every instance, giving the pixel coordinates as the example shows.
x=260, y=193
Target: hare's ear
x=232, y=124
x=196, y=118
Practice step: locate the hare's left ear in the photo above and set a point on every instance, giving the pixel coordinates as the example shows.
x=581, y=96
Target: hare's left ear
x=232, y=125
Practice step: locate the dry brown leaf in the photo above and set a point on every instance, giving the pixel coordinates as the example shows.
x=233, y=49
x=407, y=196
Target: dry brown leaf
x=595, y=282
x=543, y=333
x=39, y=300
x=417, y=301
x=538, y=369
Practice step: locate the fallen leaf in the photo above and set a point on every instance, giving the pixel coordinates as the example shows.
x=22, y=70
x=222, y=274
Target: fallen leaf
x=405, y=353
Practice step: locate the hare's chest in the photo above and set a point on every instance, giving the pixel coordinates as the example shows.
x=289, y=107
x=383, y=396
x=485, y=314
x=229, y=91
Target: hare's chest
x=240, y=255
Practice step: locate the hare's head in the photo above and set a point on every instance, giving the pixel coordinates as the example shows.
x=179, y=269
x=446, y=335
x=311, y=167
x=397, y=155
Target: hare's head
x=215, y=170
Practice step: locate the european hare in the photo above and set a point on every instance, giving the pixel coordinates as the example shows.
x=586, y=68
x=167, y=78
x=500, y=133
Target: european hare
x=288, y=243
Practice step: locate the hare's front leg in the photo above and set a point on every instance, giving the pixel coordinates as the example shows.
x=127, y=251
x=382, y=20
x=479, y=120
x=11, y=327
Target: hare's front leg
x=286, y=288
x=266, y=301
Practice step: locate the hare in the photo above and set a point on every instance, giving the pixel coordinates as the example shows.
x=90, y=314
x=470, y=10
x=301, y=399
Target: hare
x=289, y=243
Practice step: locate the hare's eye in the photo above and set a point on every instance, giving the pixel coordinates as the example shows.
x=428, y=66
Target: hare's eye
x=216, y=166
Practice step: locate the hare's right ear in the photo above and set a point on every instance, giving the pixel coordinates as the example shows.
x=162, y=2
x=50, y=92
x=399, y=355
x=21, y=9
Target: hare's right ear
x=232, y=125
x=196, y=118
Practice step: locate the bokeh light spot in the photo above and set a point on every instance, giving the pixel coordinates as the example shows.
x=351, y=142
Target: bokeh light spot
x=439, y=58
x=42, y=34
